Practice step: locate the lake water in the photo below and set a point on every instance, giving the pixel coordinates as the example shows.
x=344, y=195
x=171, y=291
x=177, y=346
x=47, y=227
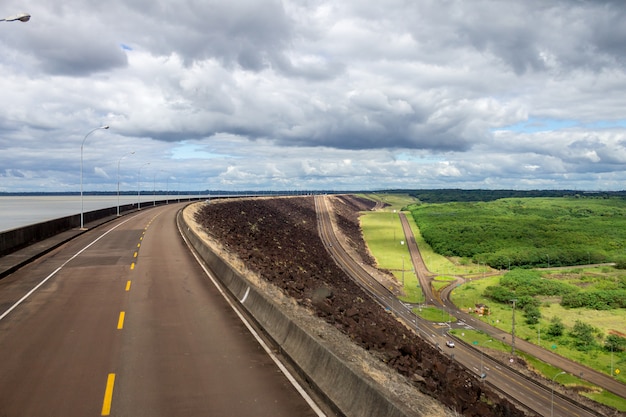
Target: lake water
x=25, y=210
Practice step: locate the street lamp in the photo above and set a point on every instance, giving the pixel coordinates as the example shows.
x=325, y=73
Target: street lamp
x=81, y=173
x=482, y=372
x=552, y=400
x=22, y=17
x=538, y=329
x=118, y=180
x=138, y=187
x=154, y=189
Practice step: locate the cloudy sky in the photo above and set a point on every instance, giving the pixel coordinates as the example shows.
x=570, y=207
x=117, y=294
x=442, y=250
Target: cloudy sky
x=313, y=94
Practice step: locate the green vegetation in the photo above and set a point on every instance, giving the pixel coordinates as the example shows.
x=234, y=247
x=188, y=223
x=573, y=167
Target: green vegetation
x=384, y=236
x=485, y=343
x=596, y=338
x=430, y=313
x=527, y=232
x=457, y=195
x=578, y=312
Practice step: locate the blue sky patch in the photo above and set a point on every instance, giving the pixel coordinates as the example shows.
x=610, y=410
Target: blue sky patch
x=534, y=125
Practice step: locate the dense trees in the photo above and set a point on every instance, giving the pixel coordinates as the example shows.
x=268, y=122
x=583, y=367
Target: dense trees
x=597, y=300
x=459, y=195
x=527, y=232
x=518, y=234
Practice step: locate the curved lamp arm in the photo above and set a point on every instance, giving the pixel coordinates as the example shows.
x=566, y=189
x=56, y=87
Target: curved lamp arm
x=22, y=17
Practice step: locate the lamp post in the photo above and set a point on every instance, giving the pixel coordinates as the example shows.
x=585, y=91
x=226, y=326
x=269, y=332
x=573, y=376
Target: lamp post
x=138, y=185
x=22, y=17
x=118, y=180
x=482, y=371
x=154, y=190
x=81, y=174
x=538, y=329
x=552, y=399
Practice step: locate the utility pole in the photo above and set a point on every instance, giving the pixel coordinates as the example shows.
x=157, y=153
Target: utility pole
x=513, y=329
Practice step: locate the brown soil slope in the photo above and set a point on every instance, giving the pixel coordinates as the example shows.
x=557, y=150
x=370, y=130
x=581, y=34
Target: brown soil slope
x=277, y=239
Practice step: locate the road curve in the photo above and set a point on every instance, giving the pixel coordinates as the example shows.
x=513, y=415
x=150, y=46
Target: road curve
x=443, y=299
x=123, y=321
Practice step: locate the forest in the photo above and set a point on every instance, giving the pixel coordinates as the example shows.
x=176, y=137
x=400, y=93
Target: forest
x=527, y=232
x=460, y=195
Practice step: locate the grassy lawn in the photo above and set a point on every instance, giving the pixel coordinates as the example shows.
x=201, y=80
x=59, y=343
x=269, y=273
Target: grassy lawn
x=384, y=236
x=434, y=314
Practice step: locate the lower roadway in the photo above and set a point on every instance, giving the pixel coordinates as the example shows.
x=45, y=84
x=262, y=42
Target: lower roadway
x=123, y=321
x=523, y=391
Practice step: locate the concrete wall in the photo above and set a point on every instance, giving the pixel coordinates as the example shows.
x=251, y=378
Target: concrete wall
x=16, y=239
x=350, y=393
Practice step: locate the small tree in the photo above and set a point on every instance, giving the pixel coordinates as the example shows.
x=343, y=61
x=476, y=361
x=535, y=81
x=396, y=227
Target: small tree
x=532, y=314
x=615, y=343
x=556, y=327
x=583, y=335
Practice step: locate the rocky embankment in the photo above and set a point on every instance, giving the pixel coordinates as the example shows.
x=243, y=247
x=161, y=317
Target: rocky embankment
x=277, y=239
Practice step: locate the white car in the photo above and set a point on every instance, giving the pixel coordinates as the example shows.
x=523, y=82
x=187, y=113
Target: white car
x=450, y=343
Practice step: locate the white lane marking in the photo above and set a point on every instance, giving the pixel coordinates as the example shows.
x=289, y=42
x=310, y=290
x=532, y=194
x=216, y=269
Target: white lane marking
x=28, y=294
x=245, y=296
x=269, y=352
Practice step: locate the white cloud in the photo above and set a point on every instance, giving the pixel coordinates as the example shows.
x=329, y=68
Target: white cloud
x=264, y=94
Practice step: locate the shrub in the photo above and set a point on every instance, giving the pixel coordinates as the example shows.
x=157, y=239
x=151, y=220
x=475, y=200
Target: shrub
x=583, y=335
x=615, y=343
x=556, y=327
x=597, y=300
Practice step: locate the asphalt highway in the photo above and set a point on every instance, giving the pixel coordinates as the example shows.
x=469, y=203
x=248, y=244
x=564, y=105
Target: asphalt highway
x=123, y=321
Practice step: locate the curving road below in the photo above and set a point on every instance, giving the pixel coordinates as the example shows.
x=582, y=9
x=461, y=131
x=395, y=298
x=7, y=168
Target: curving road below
x=443, y=300
x=123, y=321
x=536, y=397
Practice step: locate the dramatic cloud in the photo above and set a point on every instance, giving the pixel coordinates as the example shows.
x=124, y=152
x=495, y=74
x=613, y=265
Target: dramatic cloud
x=313, y=94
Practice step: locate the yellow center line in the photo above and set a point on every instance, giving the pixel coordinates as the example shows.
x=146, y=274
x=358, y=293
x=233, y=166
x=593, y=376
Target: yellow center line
x=132, y=265
x=128, y=286
x=135, y=255
x=108, y=395
x=120, y=321
x=138, y=245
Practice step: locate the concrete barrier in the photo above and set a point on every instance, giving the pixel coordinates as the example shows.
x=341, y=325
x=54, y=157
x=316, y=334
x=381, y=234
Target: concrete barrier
x=16, y=239
x=22, y=237
x=348, y=392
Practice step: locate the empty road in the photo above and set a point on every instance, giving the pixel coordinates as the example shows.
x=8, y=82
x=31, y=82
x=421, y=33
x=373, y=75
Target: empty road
x=123, y=321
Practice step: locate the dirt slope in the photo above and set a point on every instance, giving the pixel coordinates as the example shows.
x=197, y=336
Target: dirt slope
x=277, y=239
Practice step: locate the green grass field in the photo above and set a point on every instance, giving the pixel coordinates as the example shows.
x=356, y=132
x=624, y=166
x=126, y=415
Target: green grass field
x=383, y=234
